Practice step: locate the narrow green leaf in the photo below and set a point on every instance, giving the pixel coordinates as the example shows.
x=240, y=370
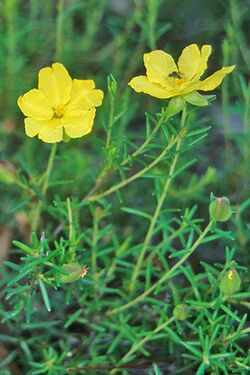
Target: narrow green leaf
x=11, y=265
x=229, y=312
x=44, y=294
x=22, y=246
x=179, y=253
x=156, y=369
x=72, y=318
x=192, y=224
x=198, y=131
x=134, y=211
x=29, y=307
x=184, y=167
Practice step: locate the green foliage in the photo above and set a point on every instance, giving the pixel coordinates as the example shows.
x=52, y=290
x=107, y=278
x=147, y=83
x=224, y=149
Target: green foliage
x=124, y=269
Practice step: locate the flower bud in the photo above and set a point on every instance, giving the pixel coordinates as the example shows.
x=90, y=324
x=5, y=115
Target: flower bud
x=75, y=271
x=197, y=99
x=220, y=209
x=230, y=282
x=180, y=312
x=176, y=104
x=112, y=85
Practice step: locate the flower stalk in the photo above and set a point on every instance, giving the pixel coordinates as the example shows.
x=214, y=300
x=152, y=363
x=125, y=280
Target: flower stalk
x=137, y=175
x=159, y=206
x=59, y=30
x=166, y=276
x=47, y=174
x=102, y=177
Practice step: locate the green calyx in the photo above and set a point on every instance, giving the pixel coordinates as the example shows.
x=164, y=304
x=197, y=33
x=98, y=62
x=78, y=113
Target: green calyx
x=180, y=312
x=230, y=282
x=75, y=271
x=220, y=209
x=197, y=99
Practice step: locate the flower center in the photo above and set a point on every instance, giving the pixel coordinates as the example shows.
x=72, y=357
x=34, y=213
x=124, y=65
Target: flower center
x=59, y=111
x=179, y=79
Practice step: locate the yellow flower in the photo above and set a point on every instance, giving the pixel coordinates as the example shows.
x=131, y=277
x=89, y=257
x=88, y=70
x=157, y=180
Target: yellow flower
x=164, y=79
x=60, y=108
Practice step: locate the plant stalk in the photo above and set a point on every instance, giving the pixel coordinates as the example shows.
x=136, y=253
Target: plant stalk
x=166, y=276
x=136, y=175
x=158, y=208
x=38, y=209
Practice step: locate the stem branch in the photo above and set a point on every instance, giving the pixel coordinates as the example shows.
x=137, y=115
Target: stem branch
x=167, y=275
x=158, y=209
x=136, y=175
x=44, y=187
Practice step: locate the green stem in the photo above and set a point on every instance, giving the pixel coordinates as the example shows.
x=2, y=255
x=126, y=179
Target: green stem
x=142, y=147
x=167, y=275
x=59, y=30
x=71, y=230
x=136, y=175
x=44, y=187
x=177, y=232
x=103, y=175
x=94, y=245
x=109, y=132
x=158, y=209
x=225, y=106
x=138, y=345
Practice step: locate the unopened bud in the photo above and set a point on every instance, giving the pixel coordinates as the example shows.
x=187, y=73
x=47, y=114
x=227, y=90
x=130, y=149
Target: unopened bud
x=220, y=209
x=180, y=312
x=75, y=271
x=176, y=104
x=230, y=282
x=197, y=99
x=112, y=85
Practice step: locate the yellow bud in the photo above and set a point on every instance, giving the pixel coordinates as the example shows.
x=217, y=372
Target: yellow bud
x=230, y=282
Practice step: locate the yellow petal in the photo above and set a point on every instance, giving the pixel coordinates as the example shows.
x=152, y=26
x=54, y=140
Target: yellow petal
x=215, y=79
x=86, y=83
x=79, y=125
x=52, y=131
x=84, y=96
x=159, y=65
x=192, y=63
x=32, y=127
x=142, y=84
x=49, y=131
x=34, y=104
x=205, y=53
x=56, y=84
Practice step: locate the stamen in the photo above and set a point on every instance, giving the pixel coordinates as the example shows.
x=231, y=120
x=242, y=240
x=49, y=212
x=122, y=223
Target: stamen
x=178, y=78
x=59, y=111
x=181, y=80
